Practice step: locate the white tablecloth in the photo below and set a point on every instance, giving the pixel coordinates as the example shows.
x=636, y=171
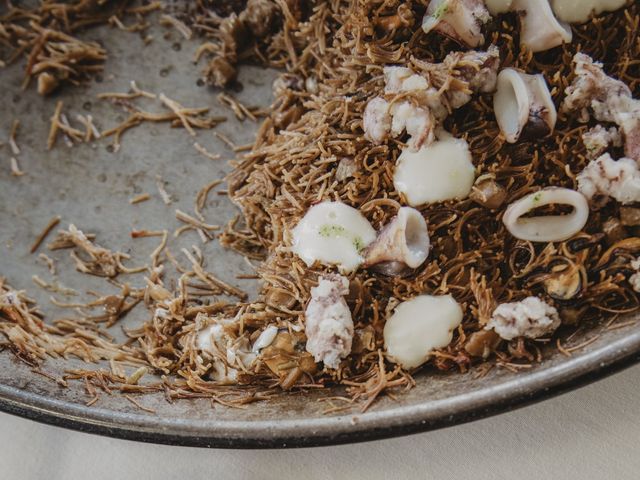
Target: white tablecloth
x=592, y=433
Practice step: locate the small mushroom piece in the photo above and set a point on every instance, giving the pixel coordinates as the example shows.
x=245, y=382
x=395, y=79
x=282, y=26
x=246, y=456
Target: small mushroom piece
x=419, y=326
x=531, y=318
x=47, y=83
x=579, y=11
x=523, y=105
x=540, y=30
x=417, y=121
x=403, y=242
x=437, y=172
x=481, y=343
x=460, y=20
x=228, y=353
x=571, y=315
x=614, y=230
x=487, y=192
x=564, y=284
x=328, y=323
x=286, y=358
x=548, y=228
x=630, y=216
x=497, y=7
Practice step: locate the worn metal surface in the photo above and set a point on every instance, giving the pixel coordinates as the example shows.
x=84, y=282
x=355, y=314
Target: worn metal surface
x=90, y=186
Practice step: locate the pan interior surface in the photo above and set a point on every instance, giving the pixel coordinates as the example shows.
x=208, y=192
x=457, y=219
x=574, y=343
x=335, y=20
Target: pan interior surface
x=90, y=186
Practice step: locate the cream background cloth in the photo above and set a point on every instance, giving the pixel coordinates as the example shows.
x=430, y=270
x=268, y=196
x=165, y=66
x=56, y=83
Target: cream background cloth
x=592, y=433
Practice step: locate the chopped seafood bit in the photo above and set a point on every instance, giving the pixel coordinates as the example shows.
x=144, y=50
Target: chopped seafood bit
x=530, y=318
x=523, y=105
x=579, y=11
x=403, y=243
x=334, y=233
x=428, y=93
x=608, y=98
x=266, y=338
x=460, y=20
x=403, y=79
x=419, y=326
x=540, y=30
x=547, y=228
x=376, y=120
x=606, y=177
x=435, y=173
x=598, y=139
x=228, y=353
x=328, y=323
x=634, y=279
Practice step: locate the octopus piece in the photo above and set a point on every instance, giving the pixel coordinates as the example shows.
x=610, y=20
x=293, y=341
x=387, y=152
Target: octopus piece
x=460, y=20
x=486, y=191
x=328, y=323
x=540, y=30
x=606, y=177
x=608, y=98
x=402, y=244
x=530, y=318
x=598, y=139
x=548, y=228
x=523, y=105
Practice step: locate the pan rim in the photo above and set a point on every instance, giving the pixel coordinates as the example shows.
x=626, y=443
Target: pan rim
x=514, y=393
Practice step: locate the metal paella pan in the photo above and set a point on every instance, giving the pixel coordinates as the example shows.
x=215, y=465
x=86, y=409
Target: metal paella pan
x=92, y=184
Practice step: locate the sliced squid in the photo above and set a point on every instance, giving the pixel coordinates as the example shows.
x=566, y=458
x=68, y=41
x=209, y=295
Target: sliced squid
x=549, y=228
x=523, y=105
x=540, y=30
